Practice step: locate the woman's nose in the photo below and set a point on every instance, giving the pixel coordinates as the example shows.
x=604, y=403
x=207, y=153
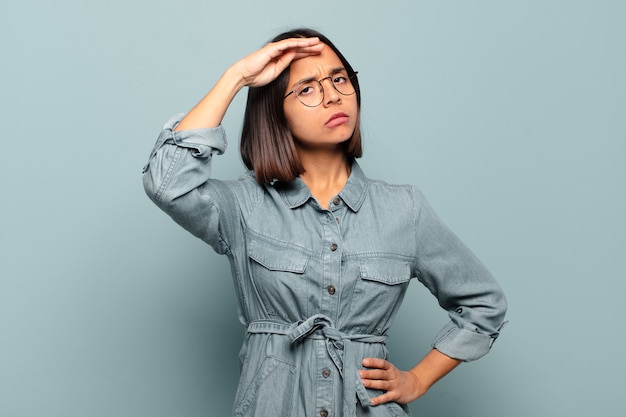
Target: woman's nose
x=331, y=95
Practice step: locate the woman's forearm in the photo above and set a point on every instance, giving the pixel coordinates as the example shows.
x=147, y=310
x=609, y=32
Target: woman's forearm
x=432, y=368
x=210, y=111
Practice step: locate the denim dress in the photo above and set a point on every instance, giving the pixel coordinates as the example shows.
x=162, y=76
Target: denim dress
x=317, y=287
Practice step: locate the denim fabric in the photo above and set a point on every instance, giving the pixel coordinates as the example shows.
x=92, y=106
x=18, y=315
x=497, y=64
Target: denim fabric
x=318, y=288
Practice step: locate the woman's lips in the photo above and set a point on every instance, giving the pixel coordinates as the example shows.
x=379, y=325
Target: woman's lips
x=337, y=119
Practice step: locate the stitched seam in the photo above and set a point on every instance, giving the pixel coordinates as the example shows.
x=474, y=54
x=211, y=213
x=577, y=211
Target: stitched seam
x=415, y=243
x=168, y=175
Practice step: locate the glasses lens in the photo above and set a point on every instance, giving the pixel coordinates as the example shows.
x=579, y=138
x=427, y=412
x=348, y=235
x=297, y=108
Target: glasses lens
x=342, y=83
x=310, y=93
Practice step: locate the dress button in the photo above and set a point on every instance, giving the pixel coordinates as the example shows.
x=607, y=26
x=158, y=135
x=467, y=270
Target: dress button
x=331, y=290
x=337, y=201
x=333, y=247
x=326, y=373
x=323, y=413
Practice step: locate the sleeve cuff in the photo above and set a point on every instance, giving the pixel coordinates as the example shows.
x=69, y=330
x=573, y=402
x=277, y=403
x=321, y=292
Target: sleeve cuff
x=463, y=344
x=202, y=142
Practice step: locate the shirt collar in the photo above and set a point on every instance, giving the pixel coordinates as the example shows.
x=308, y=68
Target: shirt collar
x=295, y=193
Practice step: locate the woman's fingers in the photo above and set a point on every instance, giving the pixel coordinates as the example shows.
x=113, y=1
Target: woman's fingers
x=379, y=373
x=399, y=386
x=264, y=65
x=306, y=45
x=377, y=363
x=309, y=51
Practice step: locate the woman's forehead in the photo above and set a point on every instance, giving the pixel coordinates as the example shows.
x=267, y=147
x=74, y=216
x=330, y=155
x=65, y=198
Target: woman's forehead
x=314, y=66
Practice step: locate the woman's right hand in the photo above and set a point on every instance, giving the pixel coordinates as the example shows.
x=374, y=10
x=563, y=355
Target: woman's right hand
x=265, y=65
x=257, y=69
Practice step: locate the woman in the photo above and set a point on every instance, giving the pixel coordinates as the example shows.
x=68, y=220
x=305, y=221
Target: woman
x=321, y=255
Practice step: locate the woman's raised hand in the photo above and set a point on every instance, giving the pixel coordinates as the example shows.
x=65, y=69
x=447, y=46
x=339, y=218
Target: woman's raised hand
x=266, y=64
x=257, y=69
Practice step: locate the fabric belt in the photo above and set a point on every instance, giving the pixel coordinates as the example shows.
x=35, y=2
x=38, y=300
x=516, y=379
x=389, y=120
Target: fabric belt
x=339, y=346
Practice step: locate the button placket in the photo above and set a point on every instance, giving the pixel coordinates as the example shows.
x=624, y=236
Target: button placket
x=330, y=299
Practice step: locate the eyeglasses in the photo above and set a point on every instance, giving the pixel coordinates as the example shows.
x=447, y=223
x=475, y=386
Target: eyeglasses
x=311, y=92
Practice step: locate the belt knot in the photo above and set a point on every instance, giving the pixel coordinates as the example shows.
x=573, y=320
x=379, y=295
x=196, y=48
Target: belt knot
x=338, y=345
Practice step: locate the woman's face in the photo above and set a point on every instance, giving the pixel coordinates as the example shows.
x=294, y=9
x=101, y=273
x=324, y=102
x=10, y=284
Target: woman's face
x=334, y=120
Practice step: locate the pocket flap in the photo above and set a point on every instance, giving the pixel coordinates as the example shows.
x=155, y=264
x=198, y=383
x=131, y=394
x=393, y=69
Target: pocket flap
x=277, y=256
x=386, y=271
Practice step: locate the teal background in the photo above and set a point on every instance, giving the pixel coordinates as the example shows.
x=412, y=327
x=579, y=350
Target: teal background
x=510, y=116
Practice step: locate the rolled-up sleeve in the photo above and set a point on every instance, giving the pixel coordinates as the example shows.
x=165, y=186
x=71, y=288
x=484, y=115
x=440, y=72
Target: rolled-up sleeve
x=463, y=286
x=168, y=153
x=176, y=178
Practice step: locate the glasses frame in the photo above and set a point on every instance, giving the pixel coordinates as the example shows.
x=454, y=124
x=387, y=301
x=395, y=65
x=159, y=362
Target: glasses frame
x=330, y=77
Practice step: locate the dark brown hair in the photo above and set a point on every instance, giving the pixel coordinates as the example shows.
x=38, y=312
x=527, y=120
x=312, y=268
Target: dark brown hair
x=267, y=145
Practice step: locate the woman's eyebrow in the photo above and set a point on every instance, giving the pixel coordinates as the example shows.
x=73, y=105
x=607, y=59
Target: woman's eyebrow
x=302, y=81
x=308, y=79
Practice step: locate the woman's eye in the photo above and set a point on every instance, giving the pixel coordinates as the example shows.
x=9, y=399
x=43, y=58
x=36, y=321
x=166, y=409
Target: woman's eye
x=306, y=90
x=340, y=79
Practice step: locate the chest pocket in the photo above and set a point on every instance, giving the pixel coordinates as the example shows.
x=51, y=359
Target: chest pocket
x=277, y=272
x=379, y=289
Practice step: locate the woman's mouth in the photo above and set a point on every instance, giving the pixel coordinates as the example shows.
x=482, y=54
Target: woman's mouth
x=337, y=119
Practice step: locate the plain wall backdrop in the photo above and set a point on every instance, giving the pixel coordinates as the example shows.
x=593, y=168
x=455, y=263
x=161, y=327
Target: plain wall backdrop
x=510, y=116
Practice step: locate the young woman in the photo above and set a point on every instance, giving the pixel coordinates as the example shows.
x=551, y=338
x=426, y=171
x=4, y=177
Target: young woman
x=321, y=255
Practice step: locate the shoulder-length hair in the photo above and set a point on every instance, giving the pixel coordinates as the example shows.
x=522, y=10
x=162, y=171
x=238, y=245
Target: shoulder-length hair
x=267, y=145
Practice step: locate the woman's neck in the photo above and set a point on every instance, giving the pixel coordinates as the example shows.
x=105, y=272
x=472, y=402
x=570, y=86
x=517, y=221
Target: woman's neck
x=325, y=173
